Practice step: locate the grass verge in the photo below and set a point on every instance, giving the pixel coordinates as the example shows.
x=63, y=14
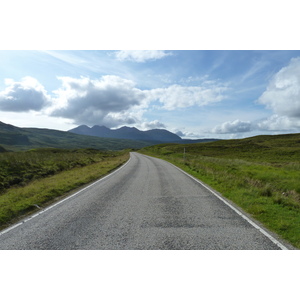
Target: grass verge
x=19, y=201
x=267, y=189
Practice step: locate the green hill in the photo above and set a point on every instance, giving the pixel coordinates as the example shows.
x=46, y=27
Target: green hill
x=2, y=149
x=264, y=148
x=15, y=139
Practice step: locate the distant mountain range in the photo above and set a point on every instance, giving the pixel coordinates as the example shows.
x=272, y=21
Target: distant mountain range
x=156, y=136
x=131, y=133
x=15, y=139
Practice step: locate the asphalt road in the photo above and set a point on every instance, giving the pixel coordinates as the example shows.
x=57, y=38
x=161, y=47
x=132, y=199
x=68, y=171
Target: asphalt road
x=147, y=204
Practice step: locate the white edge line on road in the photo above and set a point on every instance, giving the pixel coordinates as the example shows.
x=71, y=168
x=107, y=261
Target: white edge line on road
x=61, y=201
x=275, y=241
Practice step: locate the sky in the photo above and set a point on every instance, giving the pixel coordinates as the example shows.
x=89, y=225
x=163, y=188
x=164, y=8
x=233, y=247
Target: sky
x=215, y=69
x=193, y=93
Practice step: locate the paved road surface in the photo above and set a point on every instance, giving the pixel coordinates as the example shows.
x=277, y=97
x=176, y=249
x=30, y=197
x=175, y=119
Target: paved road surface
x=147, y=204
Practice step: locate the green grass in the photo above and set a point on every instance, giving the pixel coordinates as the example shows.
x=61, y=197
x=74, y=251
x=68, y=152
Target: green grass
x=19, y=168
x=47, y=174
x=260, y=174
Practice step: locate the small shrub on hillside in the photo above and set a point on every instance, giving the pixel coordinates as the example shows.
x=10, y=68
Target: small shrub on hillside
x=266, y=191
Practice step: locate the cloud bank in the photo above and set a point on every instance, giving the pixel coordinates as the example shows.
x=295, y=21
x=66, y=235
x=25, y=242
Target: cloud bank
x=113, y=101
x=23, y=96
x=282, y=97
x=153, y=125
x=279, y=123
x=283, y=92
x=236, y=126
x=109, y=101
x=177, y=96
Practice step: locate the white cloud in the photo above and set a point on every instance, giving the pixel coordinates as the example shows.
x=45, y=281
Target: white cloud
x=113, y=101
x=25, y=95
x=141, y=55
x=282, y=96
x=109, y=101
x=152, y=125
x=187, y=134
x=283, y=92
x=273, y=123
x=279, y=123
x=236, y=126
x=177, y=96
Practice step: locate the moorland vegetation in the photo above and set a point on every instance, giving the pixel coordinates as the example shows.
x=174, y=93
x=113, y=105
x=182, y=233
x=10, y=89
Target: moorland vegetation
x=31, y=179
x=260, y=174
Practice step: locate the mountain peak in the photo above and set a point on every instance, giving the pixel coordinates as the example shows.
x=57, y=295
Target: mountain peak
x=128, y=128
x=83, y=126
x=100, y=126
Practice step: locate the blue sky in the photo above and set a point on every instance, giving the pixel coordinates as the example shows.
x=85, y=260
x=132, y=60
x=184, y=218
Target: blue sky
x=195, y=93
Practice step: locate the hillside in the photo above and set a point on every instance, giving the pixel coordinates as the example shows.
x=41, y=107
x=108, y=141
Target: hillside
x=14, y=139
x=2, y=149
x=266, y=148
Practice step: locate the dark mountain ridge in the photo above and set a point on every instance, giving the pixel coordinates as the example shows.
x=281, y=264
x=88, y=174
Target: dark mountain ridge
x=131, y=133
x=13, y=138
x=156, y=136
